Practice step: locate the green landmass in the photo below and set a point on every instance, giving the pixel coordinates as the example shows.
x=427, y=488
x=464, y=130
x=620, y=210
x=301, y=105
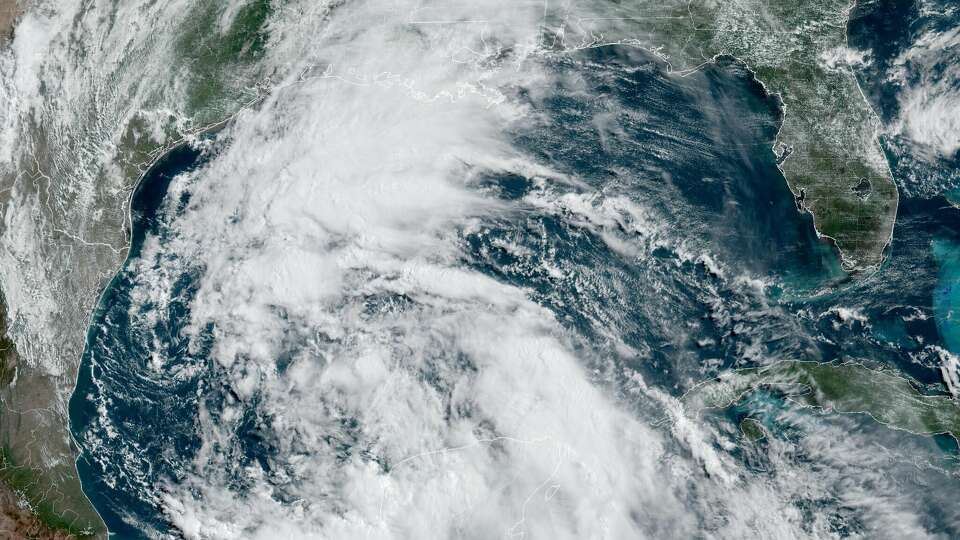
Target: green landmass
x=219, y=59
x=891, y=399
x=39, y=501
x=827, y=146
x=46, y=501
x=752, y=430
x=219, y=54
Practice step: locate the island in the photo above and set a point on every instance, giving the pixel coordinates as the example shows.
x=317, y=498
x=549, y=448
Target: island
x=842, y=388
x=72, y=233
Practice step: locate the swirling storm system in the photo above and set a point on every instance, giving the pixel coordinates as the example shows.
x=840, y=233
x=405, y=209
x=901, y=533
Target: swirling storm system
x=488, y=269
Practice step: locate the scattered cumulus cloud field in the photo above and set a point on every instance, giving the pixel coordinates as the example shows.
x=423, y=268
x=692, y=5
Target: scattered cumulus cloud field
x=471, y=411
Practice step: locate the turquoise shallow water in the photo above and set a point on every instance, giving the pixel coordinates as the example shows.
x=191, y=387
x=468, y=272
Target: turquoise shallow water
x=697, y=151
x=946, y=298
x=708, y=172
x=899, y=34
x=137, y=426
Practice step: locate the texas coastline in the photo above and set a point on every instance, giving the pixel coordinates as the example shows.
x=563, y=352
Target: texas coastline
x=186, y=154
x=150, y=189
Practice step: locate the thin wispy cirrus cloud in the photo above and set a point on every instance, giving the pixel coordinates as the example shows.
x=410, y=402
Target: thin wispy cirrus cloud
x=468, y=411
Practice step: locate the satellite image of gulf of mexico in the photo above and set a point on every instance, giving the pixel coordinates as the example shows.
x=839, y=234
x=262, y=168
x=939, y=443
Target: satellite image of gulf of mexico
x=438, y=269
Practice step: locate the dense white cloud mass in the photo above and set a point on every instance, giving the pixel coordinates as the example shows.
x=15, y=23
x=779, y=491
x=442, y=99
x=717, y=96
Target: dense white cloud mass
x=70, y=84
x=422, y=399
x=473, y=417
x=333, y=217
x=930, y=97
x=402, y=393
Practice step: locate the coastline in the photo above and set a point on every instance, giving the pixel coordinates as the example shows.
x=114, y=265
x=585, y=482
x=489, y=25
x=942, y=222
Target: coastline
x=159, y=154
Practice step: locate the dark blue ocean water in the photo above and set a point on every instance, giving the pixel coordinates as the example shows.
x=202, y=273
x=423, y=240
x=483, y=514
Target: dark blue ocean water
x=155, y=412
x=893, y=31
x=695, y=151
